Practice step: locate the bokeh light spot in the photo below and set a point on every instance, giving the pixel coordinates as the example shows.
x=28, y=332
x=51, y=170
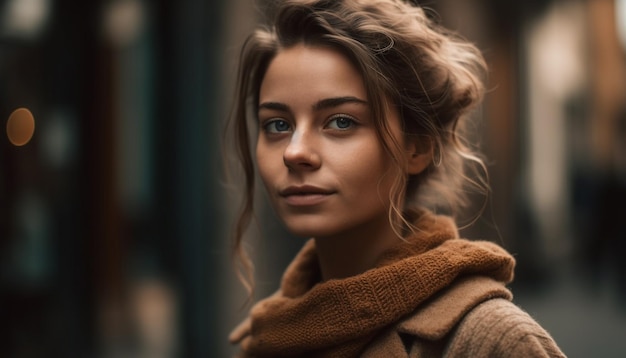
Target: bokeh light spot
x=20, y=126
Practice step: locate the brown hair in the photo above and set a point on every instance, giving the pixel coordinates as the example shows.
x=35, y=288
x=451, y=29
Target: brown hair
x=431, y=75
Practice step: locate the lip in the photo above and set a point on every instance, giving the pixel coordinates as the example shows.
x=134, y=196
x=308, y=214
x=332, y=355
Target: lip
x=305, y=195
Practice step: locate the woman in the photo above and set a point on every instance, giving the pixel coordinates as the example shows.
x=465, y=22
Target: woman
x=358, y=108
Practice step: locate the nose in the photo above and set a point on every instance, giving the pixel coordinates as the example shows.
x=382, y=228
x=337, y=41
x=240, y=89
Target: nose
x=301, y=153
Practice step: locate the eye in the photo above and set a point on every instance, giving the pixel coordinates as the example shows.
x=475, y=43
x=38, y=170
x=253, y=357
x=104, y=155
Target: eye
x=277, y=126
x=341, y=122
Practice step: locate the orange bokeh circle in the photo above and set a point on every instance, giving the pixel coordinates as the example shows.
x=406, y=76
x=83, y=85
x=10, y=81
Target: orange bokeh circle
x=20, y=126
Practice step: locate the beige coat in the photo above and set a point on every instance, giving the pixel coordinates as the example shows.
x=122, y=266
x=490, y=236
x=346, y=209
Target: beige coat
x=465, y=321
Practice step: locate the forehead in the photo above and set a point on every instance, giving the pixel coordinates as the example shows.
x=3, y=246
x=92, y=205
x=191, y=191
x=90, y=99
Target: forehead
x=313, y=72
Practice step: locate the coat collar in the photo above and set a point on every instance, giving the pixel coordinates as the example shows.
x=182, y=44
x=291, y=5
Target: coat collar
x=436, y=318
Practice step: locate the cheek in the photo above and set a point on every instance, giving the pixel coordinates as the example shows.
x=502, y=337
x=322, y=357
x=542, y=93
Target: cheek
x=368, y=168
x=268, y=161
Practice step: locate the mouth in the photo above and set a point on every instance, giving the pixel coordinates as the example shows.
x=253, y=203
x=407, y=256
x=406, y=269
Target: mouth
x=305, y=195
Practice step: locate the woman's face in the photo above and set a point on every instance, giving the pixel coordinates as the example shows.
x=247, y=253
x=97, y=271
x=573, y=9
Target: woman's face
x=318, y=152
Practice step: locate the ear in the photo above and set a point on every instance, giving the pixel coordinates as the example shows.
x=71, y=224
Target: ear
x=419, y=156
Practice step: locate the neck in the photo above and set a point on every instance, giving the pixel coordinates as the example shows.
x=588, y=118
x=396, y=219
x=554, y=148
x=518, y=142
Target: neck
x=352, y=253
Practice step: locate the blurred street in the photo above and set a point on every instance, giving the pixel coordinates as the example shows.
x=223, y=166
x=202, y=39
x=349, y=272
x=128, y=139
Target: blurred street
x=586, y=317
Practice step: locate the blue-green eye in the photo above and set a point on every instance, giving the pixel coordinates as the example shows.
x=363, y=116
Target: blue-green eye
x=341, y=122
x=277, y=126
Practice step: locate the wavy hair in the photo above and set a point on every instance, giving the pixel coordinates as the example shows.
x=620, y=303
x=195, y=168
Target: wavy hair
x=431, y=75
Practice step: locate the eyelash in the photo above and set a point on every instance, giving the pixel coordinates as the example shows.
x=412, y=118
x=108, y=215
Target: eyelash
x=333, y=119
x=267, y=124
x=351, y=120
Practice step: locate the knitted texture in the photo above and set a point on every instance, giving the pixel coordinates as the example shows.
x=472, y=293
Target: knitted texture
x=519, y=335
x=337, y=318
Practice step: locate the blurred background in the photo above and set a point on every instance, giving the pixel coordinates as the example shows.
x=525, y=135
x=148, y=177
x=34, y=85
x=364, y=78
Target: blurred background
x=115, y=214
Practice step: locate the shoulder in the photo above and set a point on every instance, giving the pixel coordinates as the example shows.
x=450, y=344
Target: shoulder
x=472, y=318
x=425, y=331
x=498, y=328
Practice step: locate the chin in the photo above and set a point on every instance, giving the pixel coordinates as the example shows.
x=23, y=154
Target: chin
x=305, y=232
x=308, y=230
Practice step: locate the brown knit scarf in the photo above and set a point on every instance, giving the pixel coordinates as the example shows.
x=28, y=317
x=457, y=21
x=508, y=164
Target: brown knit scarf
x=337, y=318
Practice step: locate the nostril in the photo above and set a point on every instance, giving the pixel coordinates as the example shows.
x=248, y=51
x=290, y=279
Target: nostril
x=301, y=160
x=301, y=151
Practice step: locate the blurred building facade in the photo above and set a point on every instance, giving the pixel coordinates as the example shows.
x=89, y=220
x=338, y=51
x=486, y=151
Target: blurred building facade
x=115, y=222
x=112, y=224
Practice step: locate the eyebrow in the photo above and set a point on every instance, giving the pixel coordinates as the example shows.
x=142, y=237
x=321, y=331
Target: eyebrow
x=321, y=104
x=337, y=101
